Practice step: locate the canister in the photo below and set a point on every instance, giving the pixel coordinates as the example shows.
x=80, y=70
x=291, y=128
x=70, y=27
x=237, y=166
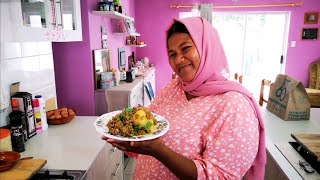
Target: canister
x=5, y=140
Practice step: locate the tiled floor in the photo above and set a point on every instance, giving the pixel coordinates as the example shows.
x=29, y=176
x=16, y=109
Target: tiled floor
x=130, y=164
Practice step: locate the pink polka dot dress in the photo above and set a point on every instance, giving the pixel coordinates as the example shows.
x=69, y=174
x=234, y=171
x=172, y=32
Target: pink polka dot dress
x=220, y=134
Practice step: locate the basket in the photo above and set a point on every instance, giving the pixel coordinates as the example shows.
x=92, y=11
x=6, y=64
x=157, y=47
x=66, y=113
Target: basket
x=63, y=120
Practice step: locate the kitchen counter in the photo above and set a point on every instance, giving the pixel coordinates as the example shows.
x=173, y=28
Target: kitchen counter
x=279, y=131
x=71, y=146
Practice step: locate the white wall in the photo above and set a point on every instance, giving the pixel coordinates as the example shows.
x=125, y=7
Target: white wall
x=31, y=64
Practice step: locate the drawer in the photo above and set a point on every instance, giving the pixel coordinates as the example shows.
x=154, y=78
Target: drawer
x=115, y=169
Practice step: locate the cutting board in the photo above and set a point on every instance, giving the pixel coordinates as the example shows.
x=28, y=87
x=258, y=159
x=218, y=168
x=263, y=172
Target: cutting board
x=24, y=169
x=310, y=142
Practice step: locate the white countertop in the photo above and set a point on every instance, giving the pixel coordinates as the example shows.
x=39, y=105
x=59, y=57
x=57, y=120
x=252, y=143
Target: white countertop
x=279, y=131
x=71, y=146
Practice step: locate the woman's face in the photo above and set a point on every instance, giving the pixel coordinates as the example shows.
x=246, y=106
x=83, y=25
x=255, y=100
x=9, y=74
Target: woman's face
x=183, y=56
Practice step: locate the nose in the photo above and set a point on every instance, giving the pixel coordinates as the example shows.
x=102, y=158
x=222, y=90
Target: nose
x=179, y=58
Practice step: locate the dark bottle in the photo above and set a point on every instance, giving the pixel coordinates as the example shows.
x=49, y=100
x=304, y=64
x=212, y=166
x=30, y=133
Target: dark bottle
x=16, y=123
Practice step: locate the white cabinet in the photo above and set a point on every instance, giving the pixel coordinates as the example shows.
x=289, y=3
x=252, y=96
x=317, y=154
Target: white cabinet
x=149, y=77
x=119, y=97
x=41, y=20
x=107, y=165
x=126, y=94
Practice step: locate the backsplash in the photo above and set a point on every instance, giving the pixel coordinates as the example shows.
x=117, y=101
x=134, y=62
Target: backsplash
x=31, y=64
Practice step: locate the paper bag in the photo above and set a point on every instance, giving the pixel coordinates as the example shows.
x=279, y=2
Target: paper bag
x=288, y=99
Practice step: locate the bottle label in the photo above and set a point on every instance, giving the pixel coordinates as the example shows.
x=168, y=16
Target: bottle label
x=17, y=131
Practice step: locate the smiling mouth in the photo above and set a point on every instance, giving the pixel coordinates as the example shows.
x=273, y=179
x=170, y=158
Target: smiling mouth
x=183, y=67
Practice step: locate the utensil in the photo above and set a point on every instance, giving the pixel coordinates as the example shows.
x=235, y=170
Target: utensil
x=3, y=163
x=8, y=156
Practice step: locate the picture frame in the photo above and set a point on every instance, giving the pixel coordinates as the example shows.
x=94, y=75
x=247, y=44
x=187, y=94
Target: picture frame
x=122, y=58
x=101, y=63
x=102, y=60
x=309, y=33
x=311, y=17
x=130, y=26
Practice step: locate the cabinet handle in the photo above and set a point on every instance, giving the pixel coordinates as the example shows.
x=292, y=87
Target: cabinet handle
x=115, y=173
x=113, y=149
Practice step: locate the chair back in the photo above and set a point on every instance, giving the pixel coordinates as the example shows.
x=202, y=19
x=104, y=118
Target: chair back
x=264, y=83
x=238, y=77
x=314, y=75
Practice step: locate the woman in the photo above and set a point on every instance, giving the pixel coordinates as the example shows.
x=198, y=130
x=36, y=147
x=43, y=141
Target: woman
x=216, y=131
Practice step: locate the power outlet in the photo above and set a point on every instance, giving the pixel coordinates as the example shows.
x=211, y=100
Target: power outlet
x=103, y=30
x=4, y=103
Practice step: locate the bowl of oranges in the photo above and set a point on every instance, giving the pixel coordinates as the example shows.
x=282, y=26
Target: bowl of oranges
x=61, y=116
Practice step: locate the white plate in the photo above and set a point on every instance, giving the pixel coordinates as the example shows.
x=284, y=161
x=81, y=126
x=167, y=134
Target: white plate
x=101, y=126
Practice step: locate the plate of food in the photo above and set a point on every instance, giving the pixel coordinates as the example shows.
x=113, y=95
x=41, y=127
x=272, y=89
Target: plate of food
x=132, y=124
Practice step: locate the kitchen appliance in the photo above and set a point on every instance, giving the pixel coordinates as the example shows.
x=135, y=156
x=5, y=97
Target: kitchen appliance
x=25, y=106
x=60, y=174
x=130, y=76
x=295, y=154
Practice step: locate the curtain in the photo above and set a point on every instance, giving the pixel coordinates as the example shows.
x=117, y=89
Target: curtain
x=206, y=11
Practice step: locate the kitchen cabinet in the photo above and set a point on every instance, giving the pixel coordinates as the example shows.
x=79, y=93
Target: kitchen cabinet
x=42, y=20
x=149, y=77
x=107, y=165
x=126, y=94
x=119, y=97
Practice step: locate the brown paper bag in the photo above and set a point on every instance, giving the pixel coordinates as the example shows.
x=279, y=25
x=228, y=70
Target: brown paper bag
x=288, y=99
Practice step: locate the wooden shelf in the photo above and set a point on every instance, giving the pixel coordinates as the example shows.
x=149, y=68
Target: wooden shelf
x=143, y=45
x=127, y=34
x=113, y=15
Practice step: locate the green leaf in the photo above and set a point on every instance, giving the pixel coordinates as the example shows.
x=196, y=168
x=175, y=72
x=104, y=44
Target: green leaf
x=128, y=109
x=122, y=116
x=148, y=125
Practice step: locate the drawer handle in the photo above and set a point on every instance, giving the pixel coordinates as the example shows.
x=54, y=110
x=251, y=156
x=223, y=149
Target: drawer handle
x=115, y=174
x=114, y=149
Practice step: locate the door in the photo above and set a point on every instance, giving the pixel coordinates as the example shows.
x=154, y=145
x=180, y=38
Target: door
x=255, y=44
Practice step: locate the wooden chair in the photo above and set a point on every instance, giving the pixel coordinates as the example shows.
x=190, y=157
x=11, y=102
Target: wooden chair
x=262, y=98
x=238, y=77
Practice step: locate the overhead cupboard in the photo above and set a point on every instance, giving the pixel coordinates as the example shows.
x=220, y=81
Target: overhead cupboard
x=41, y=20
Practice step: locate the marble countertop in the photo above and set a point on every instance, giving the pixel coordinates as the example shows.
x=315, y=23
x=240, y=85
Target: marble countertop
x=279, y=131
x=71, y=146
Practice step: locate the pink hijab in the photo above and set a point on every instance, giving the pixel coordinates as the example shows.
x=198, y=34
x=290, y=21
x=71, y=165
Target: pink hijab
x=211, y=78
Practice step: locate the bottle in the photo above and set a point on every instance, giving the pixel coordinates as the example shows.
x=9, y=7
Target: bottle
x=42, y=105
x=37, y=115
x=16, y=122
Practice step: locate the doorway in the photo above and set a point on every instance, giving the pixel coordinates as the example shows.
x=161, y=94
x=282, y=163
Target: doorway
x=255, y=44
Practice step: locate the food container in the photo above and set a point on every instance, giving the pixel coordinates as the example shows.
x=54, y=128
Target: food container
x=61, y=116
x=5, y=140
x=6, y=157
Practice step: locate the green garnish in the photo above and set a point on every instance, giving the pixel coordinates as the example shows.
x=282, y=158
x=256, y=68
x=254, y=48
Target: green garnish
x=135, y=129
x=122, y=116
x=128, y=109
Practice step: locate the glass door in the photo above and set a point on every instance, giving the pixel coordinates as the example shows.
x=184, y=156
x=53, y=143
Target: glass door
x=255, y=44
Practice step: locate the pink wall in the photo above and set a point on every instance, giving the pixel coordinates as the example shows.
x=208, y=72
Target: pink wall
x=153, y=19
x=73, y=61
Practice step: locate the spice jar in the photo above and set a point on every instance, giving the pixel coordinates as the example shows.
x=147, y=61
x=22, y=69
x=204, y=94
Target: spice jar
x=5, y=140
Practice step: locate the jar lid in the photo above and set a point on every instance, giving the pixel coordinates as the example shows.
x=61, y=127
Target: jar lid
x=4, y=133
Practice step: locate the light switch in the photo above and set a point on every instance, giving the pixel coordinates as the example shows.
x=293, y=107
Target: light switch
x=293, y=44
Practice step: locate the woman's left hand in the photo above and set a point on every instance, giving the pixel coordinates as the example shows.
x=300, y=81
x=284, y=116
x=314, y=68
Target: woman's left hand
x=149, y=147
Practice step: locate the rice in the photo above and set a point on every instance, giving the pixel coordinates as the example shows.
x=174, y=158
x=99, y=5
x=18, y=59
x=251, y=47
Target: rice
x=122, y=124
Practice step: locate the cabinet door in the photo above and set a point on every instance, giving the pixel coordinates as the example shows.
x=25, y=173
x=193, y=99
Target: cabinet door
x=150, y=77
x=136, y=96
x=42, y=20
x=115, y=169
x=69, y=20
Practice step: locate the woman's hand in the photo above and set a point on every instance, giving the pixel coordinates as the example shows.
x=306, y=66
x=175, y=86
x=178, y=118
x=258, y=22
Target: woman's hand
x=150, y=147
